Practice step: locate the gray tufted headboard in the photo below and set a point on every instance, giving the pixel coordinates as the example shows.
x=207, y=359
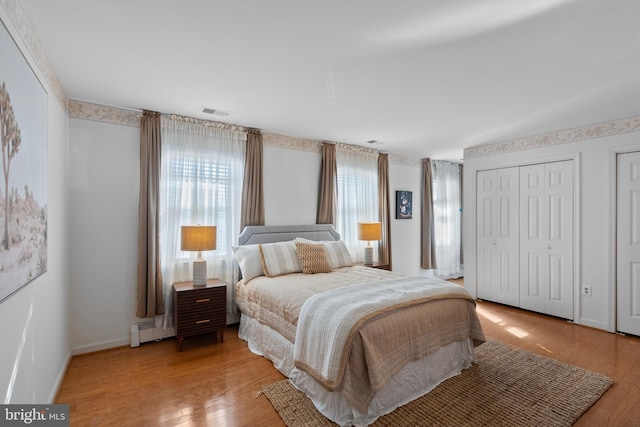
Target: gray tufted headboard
x=253, y=234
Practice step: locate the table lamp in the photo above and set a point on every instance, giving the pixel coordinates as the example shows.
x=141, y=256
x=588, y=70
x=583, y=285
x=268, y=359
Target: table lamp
x=369, y=231
x=198, y=238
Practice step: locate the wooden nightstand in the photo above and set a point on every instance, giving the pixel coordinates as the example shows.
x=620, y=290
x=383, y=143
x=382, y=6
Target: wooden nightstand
x=376, y=265
x=199, y=309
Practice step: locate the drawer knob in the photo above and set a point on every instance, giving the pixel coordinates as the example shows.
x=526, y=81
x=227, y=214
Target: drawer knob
x=199, y=322
x=203, y=300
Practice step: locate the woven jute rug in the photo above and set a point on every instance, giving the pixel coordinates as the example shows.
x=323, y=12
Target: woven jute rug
x=505, y=386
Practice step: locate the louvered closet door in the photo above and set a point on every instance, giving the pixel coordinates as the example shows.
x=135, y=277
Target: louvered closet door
x=546, y=238
x=628, y=251
x=497, y=235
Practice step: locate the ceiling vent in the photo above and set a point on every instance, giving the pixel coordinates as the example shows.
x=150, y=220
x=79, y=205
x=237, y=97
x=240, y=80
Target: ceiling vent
x=374, y=142
x=215, y=112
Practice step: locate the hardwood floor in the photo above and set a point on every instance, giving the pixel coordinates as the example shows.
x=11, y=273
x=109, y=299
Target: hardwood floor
x=216, y=384
x=613, y=355
x=209, y=383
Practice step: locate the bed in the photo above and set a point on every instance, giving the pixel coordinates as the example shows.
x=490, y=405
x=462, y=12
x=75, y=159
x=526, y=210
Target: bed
x=358, y=341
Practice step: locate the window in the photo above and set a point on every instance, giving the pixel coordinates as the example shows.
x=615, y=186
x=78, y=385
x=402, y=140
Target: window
x=204, y=192
x=447, y=213
x=200, y=184
x=357, y=195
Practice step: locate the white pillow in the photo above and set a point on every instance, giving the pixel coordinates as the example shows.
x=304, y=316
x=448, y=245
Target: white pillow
x=248, y=257
x=337, y=252
x=279, y=258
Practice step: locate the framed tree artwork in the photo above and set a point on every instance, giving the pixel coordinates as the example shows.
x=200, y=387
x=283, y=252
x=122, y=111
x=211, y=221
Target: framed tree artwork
x=23, y=182
x=404, y=205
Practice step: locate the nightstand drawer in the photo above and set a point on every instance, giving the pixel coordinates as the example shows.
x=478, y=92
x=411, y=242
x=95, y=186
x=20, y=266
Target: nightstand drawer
x=202, y=299
x=188, y=326
x=202, y=319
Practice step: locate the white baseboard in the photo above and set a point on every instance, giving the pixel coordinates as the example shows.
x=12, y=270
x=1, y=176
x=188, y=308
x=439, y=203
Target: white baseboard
x=594, y=324
x=60, y=378
x=118, y=342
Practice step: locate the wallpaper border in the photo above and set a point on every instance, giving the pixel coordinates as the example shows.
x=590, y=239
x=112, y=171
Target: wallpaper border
x=25, y=30
x=290, y=142
x=598, y=130
x=90, y=111
x=103, y=113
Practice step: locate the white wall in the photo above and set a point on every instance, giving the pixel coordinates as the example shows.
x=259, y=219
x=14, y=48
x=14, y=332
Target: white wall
x=291, y=180
x=405, y=233
x=104, y=176
x=595, y=216
x=34, y=321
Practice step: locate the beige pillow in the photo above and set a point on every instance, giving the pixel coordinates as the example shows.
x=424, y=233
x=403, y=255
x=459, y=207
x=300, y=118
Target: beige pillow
x=279, y=258
x=313, y=258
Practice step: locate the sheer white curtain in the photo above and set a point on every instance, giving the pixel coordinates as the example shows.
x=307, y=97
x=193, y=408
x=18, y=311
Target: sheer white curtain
x=357, y=195
x=447, y=218
x=201, y=184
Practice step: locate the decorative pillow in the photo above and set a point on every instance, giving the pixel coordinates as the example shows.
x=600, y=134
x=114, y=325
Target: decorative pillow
x=248, y=258
x=313, y=258
x=279, y=258
x=337, y=252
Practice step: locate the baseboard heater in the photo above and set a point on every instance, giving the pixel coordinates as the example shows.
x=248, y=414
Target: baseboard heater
x=146, y=331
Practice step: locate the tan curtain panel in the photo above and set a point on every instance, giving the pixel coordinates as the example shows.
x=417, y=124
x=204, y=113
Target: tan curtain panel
x=384, y=246
x=461, y=216
x=150, y=294
x=428, y=234
x=252, y=188
x=327, y=194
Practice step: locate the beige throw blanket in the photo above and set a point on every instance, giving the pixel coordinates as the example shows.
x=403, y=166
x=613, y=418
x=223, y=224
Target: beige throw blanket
x=337, y=335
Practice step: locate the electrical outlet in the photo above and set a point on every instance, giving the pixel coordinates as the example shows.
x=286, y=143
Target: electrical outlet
x=586, y=290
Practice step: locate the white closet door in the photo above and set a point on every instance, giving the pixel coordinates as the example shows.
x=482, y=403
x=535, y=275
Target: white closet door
x=546, y=238
x=628, y=250
x=497, y=235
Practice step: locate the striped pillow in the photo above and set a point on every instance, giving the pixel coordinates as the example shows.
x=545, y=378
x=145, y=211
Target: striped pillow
x=313, y=258
x=337, y=252
x=279, y=258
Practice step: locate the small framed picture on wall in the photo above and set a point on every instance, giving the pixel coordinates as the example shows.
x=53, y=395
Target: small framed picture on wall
x=404, y=205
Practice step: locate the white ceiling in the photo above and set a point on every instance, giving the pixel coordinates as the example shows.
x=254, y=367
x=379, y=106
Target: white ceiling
x=425, y=77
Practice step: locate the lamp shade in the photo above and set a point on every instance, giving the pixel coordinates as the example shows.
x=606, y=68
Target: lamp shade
x=197, y=237
x=369, y=231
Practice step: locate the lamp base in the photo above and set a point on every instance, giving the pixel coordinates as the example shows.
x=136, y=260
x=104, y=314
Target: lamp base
x=368, y=255
x=199, y=273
